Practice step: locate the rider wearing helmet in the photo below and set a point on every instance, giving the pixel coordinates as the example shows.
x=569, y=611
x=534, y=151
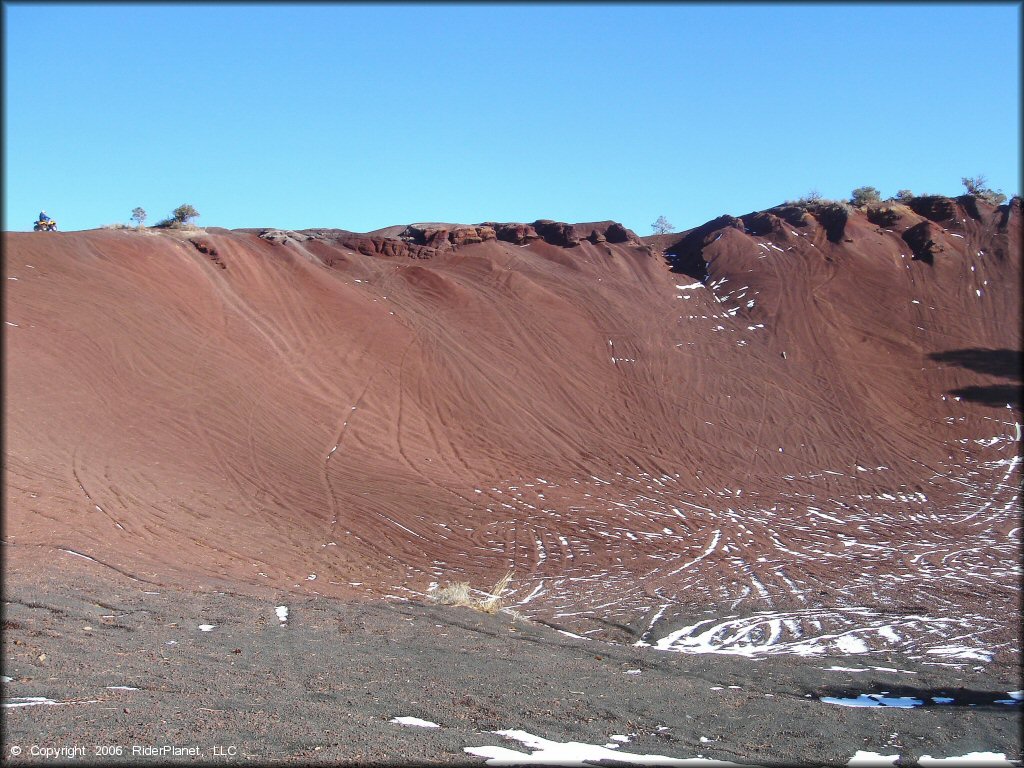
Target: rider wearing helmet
x=45, y=223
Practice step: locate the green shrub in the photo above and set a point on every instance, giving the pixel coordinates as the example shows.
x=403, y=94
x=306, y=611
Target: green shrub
x=183, y=213
x=862, y=196
x=179, y=218
x=903, y=195
x=992, y=197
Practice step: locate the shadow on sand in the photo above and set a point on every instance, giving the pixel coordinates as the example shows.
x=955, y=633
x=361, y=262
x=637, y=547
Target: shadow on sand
x=915, y=698
x=1000, y=363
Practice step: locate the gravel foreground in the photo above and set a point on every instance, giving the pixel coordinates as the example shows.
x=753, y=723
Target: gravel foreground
x=134, y=678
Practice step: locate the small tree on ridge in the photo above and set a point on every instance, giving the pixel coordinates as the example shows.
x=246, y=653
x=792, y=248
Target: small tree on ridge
x=662, y=226
x=183, y=213
x=977, y=186
x=864, y=195
x=139, y=216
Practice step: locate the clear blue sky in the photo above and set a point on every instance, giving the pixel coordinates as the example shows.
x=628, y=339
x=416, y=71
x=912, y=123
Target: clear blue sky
x=364, y=116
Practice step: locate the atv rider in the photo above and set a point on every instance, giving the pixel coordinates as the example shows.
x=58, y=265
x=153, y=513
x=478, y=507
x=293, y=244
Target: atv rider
x=44, y=219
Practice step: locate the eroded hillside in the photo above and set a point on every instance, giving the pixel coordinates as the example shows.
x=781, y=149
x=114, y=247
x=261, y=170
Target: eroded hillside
x=780, y=432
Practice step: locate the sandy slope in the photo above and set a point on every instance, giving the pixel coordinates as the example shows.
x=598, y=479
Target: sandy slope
x=810, y=452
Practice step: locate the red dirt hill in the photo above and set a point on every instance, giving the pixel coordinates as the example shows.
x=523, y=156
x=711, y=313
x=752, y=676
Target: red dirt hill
x=793, y=408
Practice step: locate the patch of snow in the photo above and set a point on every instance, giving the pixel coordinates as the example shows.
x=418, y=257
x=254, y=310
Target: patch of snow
x=547, y=752
x=864, y=759
x=35, y=701
x=889, y=633
x=570, y=634
x=961, y=652
x=414, y=721
x=979, y=759
x=875, y=700
x=78, y=554
x=536, y=590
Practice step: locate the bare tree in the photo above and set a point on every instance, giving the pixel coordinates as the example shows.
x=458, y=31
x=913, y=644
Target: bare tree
x=139, y=216
x=662, y=226
x=978, y=187
x=974, y=184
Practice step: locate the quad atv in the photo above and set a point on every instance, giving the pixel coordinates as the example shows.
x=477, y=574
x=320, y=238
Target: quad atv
x=45, y=225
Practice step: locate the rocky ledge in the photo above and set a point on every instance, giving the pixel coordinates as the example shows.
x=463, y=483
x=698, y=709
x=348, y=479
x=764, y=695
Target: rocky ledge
x=423, y=241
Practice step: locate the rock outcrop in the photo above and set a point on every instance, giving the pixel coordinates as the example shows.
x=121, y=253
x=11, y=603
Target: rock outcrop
x=445, y=238
x=284, y=236
x=424, y=241
x=765, y=223
x=833, y=218
x=520, y=234
x=920, y=239
x=687, y=255
x=204, y=246
x=557, y=233
x=934, y=207
x=883, y=216
x=386, y=246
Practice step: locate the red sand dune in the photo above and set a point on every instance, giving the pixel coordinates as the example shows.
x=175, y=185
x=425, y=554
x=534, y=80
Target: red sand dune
x=814, y=443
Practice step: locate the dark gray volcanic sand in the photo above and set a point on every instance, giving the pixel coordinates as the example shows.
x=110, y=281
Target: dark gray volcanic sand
x=324, y=686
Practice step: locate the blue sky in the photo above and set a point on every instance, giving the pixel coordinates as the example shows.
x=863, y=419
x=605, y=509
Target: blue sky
x=364, y=116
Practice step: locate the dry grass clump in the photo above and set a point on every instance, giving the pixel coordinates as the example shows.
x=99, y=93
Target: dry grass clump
x=454, y=594
x=492, y=602
x=460, y=594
